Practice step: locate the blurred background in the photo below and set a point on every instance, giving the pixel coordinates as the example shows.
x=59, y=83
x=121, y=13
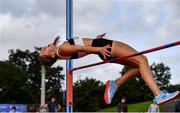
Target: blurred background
x=26, y=25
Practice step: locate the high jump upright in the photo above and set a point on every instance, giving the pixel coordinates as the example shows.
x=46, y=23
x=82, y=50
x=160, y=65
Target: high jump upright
x=69, y=63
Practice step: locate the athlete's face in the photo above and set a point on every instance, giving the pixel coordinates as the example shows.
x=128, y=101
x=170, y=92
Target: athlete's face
x=48, y=53
x=48, y=50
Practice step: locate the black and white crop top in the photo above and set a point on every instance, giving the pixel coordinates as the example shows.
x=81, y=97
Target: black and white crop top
x=72, y=41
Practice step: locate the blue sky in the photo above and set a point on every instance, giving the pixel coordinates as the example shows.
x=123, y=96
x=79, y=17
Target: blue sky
x=143, y=24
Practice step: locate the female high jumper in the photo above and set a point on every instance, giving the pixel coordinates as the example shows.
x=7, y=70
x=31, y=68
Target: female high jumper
x=105, y=49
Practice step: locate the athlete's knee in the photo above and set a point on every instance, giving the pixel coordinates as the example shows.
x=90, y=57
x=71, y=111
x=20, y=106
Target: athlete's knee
x=138, y=61
x=143, y=59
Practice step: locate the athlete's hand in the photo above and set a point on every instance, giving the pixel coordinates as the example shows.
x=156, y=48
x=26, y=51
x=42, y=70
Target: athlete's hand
x=101, y=35
x=104, y=51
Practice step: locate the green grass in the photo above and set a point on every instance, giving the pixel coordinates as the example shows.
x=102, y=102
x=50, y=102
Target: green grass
x=137, y=107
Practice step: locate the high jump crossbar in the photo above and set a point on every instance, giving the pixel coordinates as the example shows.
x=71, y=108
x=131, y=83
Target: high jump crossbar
x=129, y=56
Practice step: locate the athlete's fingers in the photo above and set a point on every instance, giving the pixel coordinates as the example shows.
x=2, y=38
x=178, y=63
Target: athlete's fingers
x=104, y=56
x=107, y=49
x=107, y=55
x=107, y=45
x=108, y=52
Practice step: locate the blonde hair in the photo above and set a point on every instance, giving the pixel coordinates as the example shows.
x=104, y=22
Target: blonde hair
x=48, y=60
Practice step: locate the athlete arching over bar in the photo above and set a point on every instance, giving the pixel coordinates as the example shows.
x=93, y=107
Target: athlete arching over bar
x=106, y=49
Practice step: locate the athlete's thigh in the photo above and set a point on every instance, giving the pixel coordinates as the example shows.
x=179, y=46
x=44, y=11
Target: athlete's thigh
x=120, y=49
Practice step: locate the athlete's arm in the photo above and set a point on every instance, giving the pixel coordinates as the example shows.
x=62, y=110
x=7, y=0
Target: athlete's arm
x=67, y=50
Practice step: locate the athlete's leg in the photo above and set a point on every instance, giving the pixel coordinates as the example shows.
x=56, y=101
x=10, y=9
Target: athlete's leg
x=130, y=74
x=141, y=62
x=111, y=86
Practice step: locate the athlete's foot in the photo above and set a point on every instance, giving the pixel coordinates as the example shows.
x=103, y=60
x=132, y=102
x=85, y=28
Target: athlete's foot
x=165, y=97
x=110, y=90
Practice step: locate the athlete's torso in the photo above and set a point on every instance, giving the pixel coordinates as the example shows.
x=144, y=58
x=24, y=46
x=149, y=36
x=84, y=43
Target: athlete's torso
x=101, y=42
x=84, y=42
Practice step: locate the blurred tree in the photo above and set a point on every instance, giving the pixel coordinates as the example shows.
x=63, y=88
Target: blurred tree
x=31, y=66
x=162, y=74
x=88, y=95
x=172, y=88
x=54, y=82
x=13, y=85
